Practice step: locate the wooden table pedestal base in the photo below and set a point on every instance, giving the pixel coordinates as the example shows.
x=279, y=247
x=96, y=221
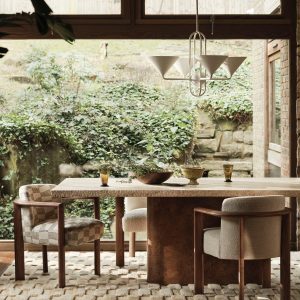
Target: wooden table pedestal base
x=170, y=246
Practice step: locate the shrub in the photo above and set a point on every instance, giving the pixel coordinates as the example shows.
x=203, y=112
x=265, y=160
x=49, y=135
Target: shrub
x=6, y=213
x=234, y=100
x=94, y=120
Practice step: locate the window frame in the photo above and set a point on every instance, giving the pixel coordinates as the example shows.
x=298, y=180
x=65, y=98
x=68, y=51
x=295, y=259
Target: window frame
x=189, y=16
x=274, y=149
x=136, y=25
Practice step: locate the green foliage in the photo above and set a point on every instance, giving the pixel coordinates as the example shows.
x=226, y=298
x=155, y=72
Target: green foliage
x=6, y=217
x=44, y=21
x=114, y=122
x=83, y=208
x=233, y=102
x=26, y=134
x=146, y=166
x=110, y=121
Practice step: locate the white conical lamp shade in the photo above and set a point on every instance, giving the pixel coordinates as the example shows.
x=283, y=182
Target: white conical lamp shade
x=233, y=63
x=212, y=62
x=163, y=63
x=183, y=65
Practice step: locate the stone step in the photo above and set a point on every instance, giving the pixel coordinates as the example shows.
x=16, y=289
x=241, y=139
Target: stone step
x=214, y=165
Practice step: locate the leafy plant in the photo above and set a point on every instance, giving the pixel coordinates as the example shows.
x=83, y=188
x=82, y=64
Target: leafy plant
x=234, y=103
x=6, y=213
x=146, y=166
x=108, y=122
x=26, y=135
x=83, y=208
x=94, y=122
x=44, y=21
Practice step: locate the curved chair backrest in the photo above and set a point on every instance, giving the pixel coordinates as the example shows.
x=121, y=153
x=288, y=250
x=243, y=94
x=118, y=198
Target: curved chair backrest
x=38, y=193
x=261, y=235
x=135, y=202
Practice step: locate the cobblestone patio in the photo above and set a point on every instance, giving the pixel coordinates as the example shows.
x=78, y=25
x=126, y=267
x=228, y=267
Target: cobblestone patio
x=121, y=283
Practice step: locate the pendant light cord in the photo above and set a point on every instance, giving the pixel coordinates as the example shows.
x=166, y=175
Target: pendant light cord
x=212, y=20
x=197, y=16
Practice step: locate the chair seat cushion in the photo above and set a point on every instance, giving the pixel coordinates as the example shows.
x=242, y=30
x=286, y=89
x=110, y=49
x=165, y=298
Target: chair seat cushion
x=77, y=231
x=212, y=241
x=135, y=220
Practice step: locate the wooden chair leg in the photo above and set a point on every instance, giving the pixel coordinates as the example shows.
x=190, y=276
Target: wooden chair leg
x=131, y=244
x=198, y=254
x=285, y=263
x=119, y=232
x=97, y=242
x=45, y=259
x=241, y=278
x=18, y=244
x=242, y=260
x=61, y=248
x=266, y=273
x=97, y=256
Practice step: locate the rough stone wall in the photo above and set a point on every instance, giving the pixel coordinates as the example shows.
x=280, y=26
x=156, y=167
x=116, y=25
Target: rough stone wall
x=219, y=142
x=259, y=117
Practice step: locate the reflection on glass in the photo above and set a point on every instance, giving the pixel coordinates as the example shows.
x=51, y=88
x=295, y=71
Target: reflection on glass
x=187, y=7
x=66, y=7
x=276, y=102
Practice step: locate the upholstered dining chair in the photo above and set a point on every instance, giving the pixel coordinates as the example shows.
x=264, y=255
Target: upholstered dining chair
x=252, y=228
x=39, y=219
x=135, y=219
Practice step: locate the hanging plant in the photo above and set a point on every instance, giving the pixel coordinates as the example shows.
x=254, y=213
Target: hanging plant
x=44, y=21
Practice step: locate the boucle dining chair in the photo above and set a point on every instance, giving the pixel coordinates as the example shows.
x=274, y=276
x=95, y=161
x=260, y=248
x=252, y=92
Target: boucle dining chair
x=39, y=219
x=252, y=228
x=135, y=219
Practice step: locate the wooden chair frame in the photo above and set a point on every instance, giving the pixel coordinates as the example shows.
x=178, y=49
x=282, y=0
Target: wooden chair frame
x=19, y=241
x=285, y=214
x=132, y=239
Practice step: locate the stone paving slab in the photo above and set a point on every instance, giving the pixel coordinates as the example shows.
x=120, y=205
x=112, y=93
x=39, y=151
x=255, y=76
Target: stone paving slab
x=127, y=283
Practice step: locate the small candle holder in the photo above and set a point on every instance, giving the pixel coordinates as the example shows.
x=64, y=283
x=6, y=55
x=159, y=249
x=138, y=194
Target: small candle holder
x=228, y=168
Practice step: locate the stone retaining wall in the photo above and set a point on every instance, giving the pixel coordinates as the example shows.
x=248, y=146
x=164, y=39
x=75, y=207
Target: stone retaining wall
x=219, y=142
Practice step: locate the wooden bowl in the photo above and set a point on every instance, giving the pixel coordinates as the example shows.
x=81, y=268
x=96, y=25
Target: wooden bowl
x=155, y=178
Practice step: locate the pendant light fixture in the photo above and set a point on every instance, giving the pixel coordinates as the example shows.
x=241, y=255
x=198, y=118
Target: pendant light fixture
x=198, y=67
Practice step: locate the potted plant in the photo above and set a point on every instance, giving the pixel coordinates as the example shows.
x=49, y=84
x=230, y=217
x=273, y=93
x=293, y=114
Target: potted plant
x=43, y=19
x=150, y=171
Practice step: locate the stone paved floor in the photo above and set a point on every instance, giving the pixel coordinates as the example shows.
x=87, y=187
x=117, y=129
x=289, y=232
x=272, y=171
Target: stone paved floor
x=116, y=283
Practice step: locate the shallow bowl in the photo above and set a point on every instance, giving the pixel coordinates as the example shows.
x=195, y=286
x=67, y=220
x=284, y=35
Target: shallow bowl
x=192, y=173
x=155, y=178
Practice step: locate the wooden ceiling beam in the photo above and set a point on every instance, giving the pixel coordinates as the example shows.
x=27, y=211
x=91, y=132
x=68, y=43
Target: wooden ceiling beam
x=90, y=29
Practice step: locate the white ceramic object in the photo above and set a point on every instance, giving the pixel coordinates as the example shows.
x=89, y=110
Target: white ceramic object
x=233, y=63
x=212, y=62
x=163, y=63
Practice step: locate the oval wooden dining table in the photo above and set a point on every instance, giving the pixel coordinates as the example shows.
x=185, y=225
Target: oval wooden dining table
x=170, y=221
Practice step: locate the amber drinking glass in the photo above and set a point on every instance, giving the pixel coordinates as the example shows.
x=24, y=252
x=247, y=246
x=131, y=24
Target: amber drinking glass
x=104, y=178
x=228, y=168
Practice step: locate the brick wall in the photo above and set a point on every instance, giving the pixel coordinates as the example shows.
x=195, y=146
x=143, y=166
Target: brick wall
x=260, y=144
x=285, y=99
x=298, y=111
x=259, y=87
x=298, y=87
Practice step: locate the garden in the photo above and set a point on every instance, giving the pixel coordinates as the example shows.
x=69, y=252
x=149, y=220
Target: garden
x=66, y=111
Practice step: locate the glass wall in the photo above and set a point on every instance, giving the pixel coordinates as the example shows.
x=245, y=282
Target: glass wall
x=187, y=7
x=65, y=107
x=66, y=7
